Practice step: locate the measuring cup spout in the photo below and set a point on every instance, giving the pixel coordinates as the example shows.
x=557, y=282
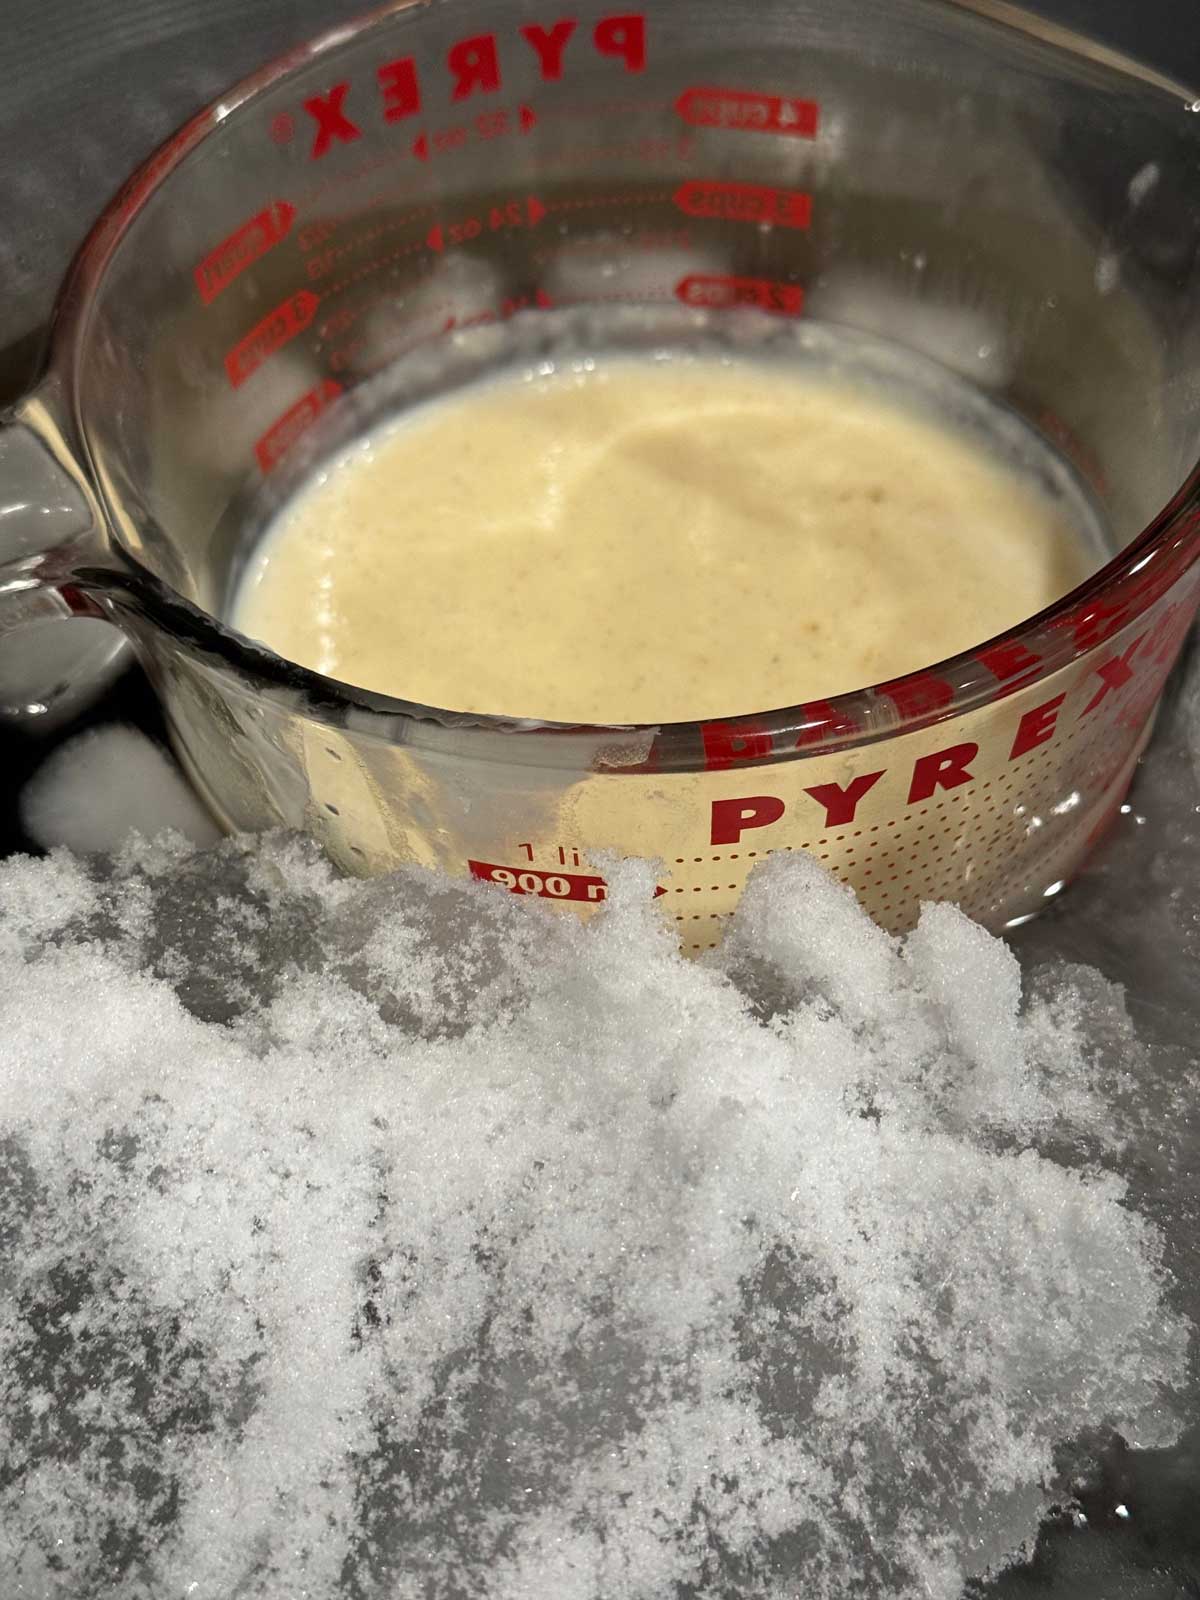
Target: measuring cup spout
x=50, y=529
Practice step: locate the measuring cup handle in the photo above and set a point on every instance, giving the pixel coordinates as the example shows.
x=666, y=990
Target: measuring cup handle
x=48, y=529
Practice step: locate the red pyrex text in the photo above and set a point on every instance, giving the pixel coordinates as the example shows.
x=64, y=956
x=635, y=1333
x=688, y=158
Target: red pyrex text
x=1142, y=664
x=473, y=65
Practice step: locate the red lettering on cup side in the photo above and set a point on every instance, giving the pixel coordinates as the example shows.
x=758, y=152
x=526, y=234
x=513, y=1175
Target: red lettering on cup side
x=719, y=292
x=274, y=331
x=623, y=37
x=400, y=89
x=744, y=202
x=753, y=113
x=548, y=45
x=1113, y=674
x=732, y=818
x=945, y=769
x=821, y=720
x=841, y=801
x=1036, y=727
x=918, y=696
x=1012, y=664
x=545, y=885
x=283, y=433
x=1099, y=620
x=243, y=247
x=727, y=743
x=333, y=125
x=474, y=65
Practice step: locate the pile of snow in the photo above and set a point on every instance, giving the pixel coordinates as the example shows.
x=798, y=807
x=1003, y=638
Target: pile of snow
x=403, y=1238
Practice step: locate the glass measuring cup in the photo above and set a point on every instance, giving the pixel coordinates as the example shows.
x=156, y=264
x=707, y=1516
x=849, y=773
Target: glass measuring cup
x=976, y=184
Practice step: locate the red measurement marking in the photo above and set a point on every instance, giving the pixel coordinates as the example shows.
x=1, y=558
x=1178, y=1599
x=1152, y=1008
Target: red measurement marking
x=586, y=201
x=512, y=214
x=487, y=125
x=507, y=308
x=283, y=433
x=320, y=266
x=345, y=318
x=673, y=147
x=744, y=202
x=546, y=885
x=703, y=289
x=274, y=331
x=435, y=321
x=370, y=267
x=242, y=248
x=315, y=235
x=753, y=113
x=492, y=124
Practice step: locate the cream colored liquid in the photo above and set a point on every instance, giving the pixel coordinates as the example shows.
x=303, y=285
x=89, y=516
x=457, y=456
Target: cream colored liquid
x=655, y=541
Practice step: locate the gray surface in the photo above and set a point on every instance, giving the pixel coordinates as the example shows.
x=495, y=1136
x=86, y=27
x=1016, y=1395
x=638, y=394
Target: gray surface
x=88, y=88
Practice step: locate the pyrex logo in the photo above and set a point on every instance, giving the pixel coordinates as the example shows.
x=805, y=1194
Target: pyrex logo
x=1123, y=685
x=473, y=65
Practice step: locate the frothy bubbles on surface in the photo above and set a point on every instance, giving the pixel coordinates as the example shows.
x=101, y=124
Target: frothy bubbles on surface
x=402, y=1238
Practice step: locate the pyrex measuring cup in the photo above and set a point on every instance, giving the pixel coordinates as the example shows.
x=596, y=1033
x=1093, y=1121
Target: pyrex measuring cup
x=973, y=183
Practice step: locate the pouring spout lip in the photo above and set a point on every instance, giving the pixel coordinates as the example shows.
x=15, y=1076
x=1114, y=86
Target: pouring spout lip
x=1073, y=42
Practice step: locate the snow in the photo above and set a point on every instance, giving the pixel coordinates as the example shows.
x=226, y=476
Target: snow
x=106, y=783
x=405, y=1238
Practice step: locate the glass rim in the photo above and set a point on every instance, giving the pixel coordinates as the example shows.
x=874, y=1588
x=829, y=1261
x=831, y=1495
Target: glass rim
x=1145, y=569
